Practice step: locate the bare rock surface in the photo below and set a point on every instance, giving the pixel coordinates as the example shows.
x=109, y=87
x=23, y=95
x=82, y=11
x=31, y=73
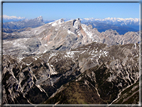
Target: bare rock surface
x=93, y=67
x=61, y=35
x=43, y=63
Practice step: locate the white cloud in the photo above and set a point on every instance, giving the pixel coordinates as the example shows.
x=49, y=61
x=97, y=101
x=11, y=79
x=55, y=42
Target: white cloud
x=12, y=17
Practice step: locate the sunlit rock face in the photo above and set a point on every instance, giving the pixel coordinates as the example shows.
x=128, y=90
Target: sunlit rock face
x=69, y=62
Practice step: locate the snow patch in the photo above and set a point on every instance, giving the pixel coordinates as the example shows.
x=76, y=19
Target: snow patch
x=44, y=51
x=54, y=24
x=52, y=70
x=69, y=54
x=70, y=32
x=51, y=55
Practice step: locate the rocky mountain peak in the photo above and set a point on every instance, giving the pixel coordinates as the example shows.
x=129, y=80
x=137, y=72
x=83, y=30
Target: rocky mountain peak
x=58, y=22
x=110, y=31
x=61, y=21
x=40, y=18
x=90, y=26
x=77, y=23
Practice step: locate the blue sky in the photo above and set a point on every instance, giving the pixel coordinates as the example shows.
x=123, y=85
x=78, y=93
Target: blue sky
x=51, y=11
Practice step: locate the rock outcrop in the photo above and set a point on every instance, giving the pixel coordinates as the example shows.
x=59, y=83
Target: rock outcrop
x=101, y=71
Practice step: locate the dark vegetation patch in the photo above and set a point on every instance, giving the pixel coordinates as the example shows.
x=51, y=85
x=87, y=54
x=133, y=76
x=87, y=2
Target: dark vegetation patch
x=36, y=96
x=129, y=95
x=108, y=91
x=76, y=93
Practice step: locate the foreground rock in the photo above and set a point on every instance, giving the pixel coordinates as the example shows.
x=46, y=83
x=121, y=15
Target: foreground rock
x=94, y=73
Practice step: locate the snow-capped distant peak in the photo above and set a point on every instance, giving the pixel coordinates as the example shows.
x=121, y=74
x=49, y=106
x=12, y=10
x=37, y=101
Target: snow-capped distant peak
x=112, y=19
x=88, y=18
x=39, y=18
x=12, y=17
x=122, y=19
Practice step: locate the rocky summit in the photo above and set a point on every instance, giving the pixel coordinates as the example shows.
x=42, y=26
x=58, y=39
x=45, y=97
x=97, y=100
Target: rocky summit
x=66, y=62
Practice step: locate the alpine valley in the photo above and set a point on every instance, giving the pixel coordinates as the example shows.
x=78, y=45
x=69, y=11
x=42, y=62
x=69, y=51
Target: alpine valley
x=69, y=62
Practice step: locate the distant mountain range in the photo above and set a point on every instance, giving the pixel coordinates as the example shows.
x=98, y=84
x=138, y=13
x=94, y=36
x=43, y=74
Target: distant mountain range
x=119, y=24
x=116, y=21
x=24, y=23
x=11, y=18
